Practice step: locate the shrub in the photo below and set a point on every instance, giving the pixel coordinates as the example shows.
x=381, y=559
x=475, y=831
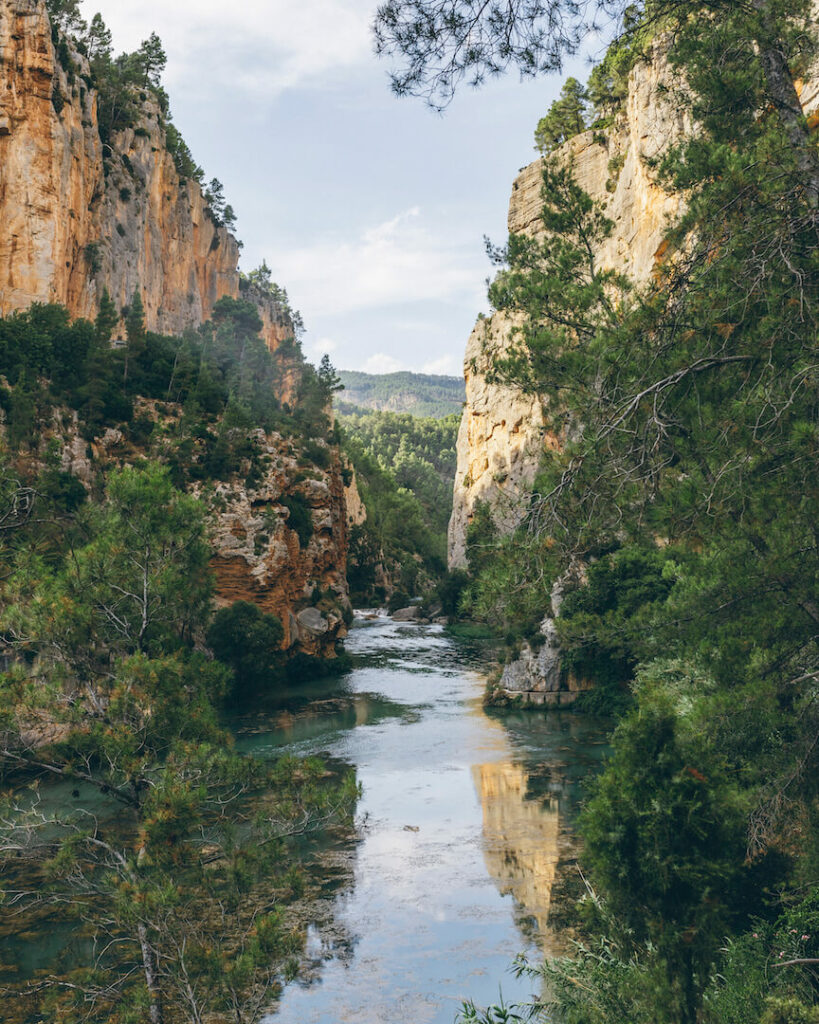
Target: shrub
x=248, y=641
x=300, y=518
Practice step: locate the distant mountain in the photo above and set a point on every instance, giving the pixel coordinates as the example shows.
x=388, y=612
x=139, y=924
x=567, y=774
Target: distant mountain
x=420, y=394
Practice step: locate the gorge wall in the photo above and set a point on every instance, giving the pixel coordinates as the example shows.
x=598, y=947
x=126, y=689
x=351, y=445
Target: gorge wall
x=504, y=434
x=80, y=217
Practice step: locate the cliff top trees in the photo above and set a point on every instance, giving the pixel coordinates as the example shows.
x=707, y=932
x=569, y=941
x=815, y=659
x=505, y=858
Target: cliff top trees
x=566, y=118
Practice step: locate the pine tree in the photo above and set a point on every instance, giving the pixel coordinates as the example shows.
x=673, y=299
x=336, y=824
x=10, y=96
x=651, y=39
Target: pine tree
x=565, y=119
x=135, y=331
x=107, y=318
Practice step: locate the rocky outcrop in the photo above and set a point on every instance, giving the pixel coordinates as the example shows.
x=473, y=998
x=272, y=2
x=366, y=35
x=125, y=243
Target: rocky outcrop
x=79, y=217
x=504, y=434
x=259, y=556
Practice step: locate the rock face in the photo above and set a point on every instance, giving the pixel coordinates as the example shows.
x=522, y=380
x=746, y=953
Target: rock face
x=259, y=557
x=503, y=433
x=79, y=217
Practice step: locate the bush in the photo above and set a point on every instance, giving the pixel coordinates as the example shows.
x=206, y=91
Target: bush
x=248, y=641
x=300, y=518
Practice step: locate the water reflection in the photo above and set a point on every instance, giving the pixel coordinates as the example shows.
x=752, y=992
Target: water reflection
x=521, y=836
x=464, y=821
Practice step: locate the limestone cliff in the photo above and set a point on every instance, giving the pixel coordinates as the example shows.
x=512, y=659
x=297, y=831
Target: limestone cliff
x=79, y=217
x=259, y=556
x=504, y=433
x=298, y=574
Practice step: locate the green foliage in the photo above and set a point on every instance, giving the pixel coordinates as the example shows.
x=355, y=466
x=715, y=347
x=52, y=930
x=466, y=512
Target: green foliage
x=223, y=370
x=181, y=154
x=261, y=281
x=248, y=640
x=404, y=468
x=566, y=118
x=181, y=872
x=686, y=489
x=608, y=82
x=603, y=622
x=450, y=590
x=300, y=517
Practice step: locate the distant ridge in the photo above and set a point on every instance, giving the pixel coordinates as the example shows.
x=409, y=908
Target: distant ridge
x=420, y=394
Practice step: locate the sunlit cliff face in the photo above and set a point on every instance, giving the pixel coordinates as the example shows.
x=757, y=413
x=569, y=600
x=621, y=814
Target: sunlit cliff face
x=504, y=433
x=80, y=217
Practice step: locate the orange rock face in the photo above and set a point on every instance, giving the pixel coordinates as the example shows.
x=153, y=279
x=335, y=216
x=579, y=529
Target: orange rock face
x=77, y=220
x=259, y=557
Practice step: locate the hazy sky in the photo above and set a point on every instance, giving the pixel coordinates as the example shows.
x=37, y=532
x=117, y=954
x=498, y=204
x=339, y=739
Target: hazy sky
x=370, y=210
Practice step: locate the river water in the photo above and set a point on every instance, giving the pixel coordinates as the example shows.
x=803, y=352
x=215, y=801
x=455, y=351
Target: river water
x=464, y=822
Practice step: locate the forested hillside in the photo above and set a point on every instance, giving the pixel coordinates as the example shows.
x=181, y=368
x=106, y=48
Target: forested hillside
x=417, y=393
x=405, y=466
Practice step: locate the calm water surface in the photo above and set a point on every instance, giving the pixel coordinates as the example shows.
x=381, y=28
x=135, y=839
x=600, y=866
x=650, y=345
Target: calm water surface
x=463, y=820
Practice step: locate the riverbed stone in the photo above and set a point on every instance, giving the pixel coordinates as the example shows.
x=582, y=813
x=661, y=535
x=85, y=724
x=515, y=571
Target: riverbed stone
x=312, y=622
x=411, y=614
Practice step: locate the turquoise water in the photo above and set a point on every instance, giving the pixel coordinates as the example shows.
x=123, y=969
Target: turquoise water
x=462, y=829
x=462, y=824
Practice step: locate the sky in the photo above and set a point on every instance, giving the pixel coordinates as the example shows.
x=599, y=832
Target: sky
x=370, y=210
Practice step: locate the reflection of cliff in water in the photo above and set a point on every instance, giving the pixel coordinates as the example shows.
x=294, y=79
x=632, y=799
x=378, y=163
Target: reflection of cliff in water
x=520, y=839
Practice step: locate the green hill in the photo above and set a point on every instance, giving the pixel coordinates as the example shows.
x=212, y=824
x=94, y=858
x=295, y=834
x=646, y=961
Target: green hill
x=417, y=393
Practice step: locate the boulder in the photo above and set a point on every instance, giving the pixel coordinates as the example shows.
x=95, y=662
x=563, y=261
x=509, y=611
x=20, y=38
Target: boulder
x=411, y=614
x=311, y=623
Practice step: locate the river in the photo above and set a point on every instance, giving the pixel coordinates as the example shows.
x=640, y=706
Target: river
x=463, y=821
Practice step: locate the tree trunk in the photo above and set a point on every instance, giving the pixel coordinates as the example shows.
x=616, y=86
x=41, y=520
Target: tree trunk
x=155, y=1013
x=782, y=94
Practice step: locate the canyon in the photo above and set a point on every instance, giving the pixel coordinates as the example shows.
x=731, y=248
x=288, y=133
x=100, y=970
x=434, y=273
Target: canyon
x=83, y=217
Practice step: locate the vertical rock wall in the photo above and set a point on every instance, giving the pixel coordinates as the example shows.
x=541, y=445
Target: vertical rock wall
x=79, y=217
x=504, y=434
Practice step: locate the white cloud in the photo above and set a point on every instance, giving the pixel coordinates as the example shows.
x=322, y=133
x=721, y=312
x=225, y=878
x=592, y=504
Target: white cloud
x=398, y=262
x=315, y=348
x=382, y=363
x=262, y=46
x=446, y=365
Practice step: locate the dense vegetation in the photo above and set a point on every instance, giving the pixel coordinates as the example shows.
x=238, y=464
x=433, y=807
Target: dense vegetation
x=422, y=395
x=172, y=861
x=680, y=518
x=172, y=864
x=405, y=468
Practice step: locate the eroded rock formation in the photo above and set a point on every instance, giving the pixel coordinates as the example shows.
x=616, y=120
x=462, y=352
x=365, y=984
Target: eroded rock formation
x=504, y=433
x=79, y=217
